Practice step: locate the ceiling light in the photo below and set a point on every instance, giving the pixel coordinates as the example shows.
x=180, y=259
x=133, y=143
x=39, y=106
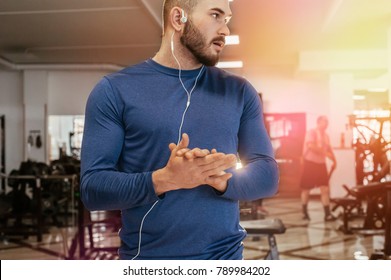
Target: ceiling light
x=358, y=97
x=232, y=40
x=230, y=64
x=377, y=90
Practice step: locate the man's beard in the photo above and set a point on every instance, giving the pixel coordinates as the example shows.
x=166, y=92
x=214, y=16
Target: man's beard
x=196, y=43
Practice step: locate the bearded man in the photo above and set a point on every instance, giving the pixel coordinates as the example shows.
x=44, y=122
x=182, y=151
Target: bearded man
x=161, y=141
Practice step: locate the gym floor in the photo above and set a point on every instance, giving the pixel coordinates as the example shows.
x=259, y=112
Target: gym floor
x=303, y=240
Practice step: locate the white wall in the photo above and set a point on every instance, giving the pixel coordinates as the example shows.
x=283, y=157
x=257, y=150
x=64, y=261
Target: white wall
x=11, y=105
x=28, y=97
x=295, y=95
x=35, y=96
x=68, y=91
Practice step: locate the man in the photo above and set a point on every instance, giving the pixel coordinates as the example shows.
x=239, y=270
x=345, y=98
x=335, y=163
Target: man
x=178, y=201
x=316, y=149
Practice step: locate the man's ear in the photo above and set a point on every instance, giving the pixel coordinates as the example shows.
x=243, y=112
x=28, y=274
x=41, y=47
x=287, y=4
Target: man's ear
x=175, y=18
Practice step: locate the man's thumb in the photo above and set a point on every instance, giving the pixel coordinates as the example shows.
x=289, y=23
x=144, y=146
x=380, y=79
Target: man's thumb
x=184, y=143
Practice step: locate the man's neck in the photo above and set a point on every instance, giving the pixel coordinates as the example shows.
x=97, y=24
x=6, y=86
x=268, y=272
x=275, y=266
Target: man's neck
x=186, y=60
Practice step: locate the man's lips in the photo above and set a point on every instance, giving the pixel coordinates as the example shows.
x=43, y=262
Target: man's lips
x=219, y=42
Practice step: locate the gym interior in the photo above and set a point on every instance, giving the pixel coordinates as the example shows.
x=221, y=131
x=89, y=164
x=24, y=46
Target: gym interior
x=305, y=58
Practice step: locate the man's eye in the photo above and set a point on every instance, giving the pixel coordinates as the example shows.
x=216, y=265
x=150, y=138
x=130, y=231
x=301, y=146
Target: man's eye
x=215, y=15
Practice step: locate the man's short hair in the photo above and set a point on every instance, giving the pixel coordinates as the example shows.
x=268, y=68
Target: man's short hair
x=186, y=5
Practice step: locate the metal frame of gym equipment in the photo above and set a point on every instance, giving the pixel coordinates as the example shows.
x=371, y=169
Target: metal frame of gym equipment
x=377, y=197
x=371, y=148
x=257, y=227
x=37, y=215
x=266, y=227
x=2, y=151
x=372, y=193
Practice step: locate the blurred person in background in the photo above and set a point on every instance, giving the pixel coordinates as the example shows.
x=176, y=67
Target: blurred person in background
x=316, y=150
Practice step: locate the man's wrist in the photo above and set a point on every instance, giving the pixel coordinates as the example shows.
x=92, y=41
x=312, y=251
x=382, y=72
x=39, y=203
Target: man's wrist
x=161, y=181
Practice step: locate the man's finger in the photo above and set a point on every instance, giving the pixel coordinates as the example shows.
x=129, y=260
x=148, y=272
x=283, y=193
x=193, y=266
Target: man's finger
x=215, y=160
x=182, y=152
x=213, y=180
x=172, y=146
x=209, y=159
x=184, y=143
x=197, y=153
x=216, y=167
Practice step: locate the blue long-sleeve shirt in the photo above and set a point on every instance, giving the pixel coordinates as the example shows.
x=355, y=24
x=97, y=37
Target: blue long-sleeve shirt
x=132, y=116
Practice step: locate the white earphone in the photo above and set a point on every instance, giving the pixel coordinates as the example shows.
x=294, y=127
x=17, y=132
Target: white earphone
x=183, y=18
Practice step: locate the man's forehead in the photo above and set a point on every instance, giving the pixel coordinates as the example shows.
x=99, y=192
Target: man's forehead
x=221, y=6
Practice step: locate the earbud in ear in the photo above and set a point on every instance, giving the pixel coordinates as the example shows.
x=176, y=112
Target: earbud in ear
x=183, y=18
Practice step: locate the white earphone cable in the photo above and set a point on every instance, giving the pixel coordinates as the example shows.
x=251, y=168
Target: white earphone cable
x=141, y=229
x=179, y=134
x=183, y=85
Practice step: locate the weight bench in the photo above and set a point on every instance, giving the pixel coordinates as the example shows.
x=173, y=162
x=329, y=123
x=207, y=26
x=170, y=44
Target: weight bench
x=268, y=227
x=348, y=203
